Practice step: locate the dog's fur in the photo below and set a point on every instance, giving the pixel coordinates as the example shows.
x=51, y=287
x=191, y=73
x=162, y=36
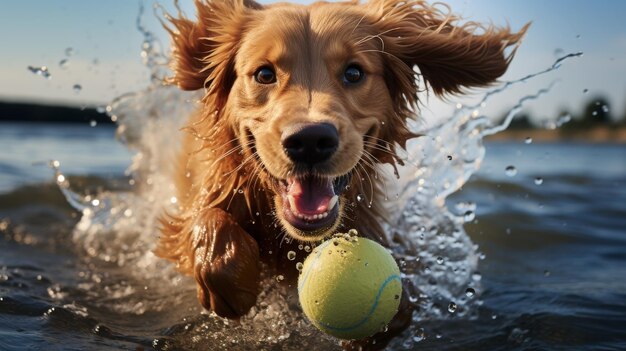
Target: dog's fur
x=232, y=164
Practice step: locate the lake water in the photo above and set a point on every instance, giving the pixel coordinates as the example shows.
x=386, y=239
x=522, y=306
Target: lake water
x=550, y=236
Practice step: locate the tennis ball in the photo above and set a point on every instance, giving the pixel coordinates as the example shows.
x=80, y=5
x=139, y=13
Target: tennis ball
x=349, y=287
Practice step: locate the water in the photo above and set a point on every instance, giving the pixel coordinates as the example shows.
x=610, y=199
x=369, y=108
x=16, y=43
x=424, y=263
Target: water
x=551, y=277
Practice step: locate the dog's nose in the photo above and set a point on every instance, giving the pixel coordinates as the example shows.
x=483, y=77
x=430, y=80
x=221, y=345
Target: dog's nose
x=310, y=143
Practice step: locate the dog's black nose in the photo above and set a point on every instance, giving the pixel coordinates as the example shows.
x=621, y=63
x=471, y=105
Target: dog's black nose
x=310, y=143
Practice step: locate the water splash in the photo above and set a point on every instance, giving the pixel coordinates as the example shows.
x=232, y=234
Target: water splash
x=428, y=229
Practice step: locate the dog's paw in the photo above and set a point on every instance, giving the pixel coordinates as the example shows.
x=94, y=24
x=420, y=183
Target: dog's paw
x=226, y=264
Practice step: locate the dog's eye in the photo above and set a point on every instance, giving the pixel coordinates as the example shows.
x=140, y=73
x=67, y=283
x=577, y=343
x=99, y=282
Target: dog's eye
x=265, y=75
x=353, y=74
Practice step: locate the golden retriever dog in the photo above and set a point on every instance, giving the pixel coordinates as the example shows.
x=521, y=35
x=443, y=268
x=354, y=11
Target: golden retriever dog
x=302, y=104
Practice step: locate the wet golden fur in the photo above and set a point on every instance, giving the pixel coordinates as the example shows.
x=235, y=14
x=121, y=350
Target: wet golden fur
x=232, y=158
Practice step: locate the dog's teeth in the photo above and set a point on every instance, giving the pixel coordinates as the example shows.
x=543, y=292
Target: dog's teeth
x=292, y=203
x=333, y=202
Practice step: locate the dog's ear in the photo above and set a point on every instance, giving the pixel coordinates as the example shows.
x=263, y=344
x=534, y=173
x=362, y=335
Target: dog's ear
x=203, y=50
x=449, y=56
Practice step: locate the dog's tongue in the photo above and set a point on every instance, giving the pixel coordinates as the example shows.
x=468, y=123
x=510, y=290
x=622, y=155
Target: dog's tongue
x=310, y=195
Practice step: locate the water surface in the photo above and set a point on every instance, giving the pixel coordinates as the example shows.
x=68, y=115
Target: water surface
x=551, y=248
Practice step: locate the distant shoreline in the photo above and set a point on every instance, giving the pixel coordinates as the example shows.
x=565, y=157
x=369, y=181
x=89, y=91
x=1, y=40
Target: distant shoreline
x=598, y=134
x=24, y=112
x=42, y=113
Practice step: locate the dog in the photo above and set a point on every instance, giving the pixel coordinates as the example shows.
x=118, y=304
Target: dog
x=302, y=104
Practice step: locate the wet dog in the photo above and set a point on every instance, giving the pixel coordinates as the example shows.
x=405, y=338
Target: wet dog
x=301, y=105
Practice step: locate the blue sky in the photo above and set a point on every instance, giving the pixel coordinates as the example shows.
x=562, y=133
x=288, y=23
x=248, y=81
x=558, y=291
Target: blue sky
x=105, y=60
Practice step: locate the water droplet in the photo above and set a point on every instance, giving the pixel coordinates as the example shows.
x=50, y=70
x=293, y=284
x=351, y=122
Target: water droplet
x=291, y=255
x=452, y=307
x=585, y=91
x=300, y=247
x=469, y=292
x=93, y=123
x=359, y=197
x=563, y=119
x=510, y=171
x=353, y=232
x=605, y=108
x=40, y=71
x=449, y=157
x=528, y=140
x=240, y=191
x=538, y=181
x=440, y=260
x=69, y=51
x=77, y=88
x=577, y=36
x=469, y=216
x=594, y=113
x=280, y=278
x=549, y=124
x=546, y=273
x=419, y=335
x=476, y=277
x=95, y=202
x=64, y=63
x=307, y=248
x=299, y=266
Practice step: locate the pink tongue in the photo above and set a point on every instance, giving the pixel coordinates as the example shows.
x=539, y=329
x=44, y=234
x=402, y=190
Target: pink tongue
x=311, y=196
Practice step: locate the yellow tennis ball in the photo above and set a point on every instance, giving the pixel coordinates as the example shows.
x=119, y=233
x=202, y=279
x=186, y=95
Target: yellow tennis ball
x=350, y=287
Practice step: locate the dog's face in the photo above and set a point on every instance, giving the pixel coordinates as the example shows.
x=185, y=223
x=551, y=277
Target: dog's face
x=308, y=95
x=316, y=94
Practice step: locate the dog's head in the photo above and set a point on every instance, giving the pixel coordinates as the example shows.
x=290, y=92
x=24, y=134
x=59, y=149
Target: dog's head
x=318, y=94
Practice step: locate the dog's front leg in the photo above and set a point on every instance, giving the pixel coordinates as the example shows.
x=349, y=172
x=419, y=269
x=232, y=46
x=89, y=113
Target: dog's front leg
x=226, y=264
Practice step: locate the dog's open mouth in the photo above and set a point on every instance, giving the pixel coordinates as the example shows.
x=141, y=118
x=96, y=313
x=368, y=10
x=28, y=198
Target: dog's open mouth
x=311, y=204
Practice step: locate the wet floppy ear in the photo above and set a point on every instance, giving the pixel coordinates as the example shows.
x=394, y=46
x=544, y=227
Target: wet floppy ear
x=203, y=50
x=449, y=56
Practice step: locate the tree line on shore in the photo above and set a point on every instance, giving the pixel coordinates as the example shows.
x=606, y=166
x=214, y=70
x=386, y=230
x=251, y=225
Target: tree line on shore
x=31, y=112
x=595, y=112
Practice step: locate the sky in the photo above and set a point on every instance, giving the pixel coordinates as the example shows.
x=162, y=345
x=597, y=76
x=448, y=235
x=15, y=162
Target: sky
x=101, y=47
